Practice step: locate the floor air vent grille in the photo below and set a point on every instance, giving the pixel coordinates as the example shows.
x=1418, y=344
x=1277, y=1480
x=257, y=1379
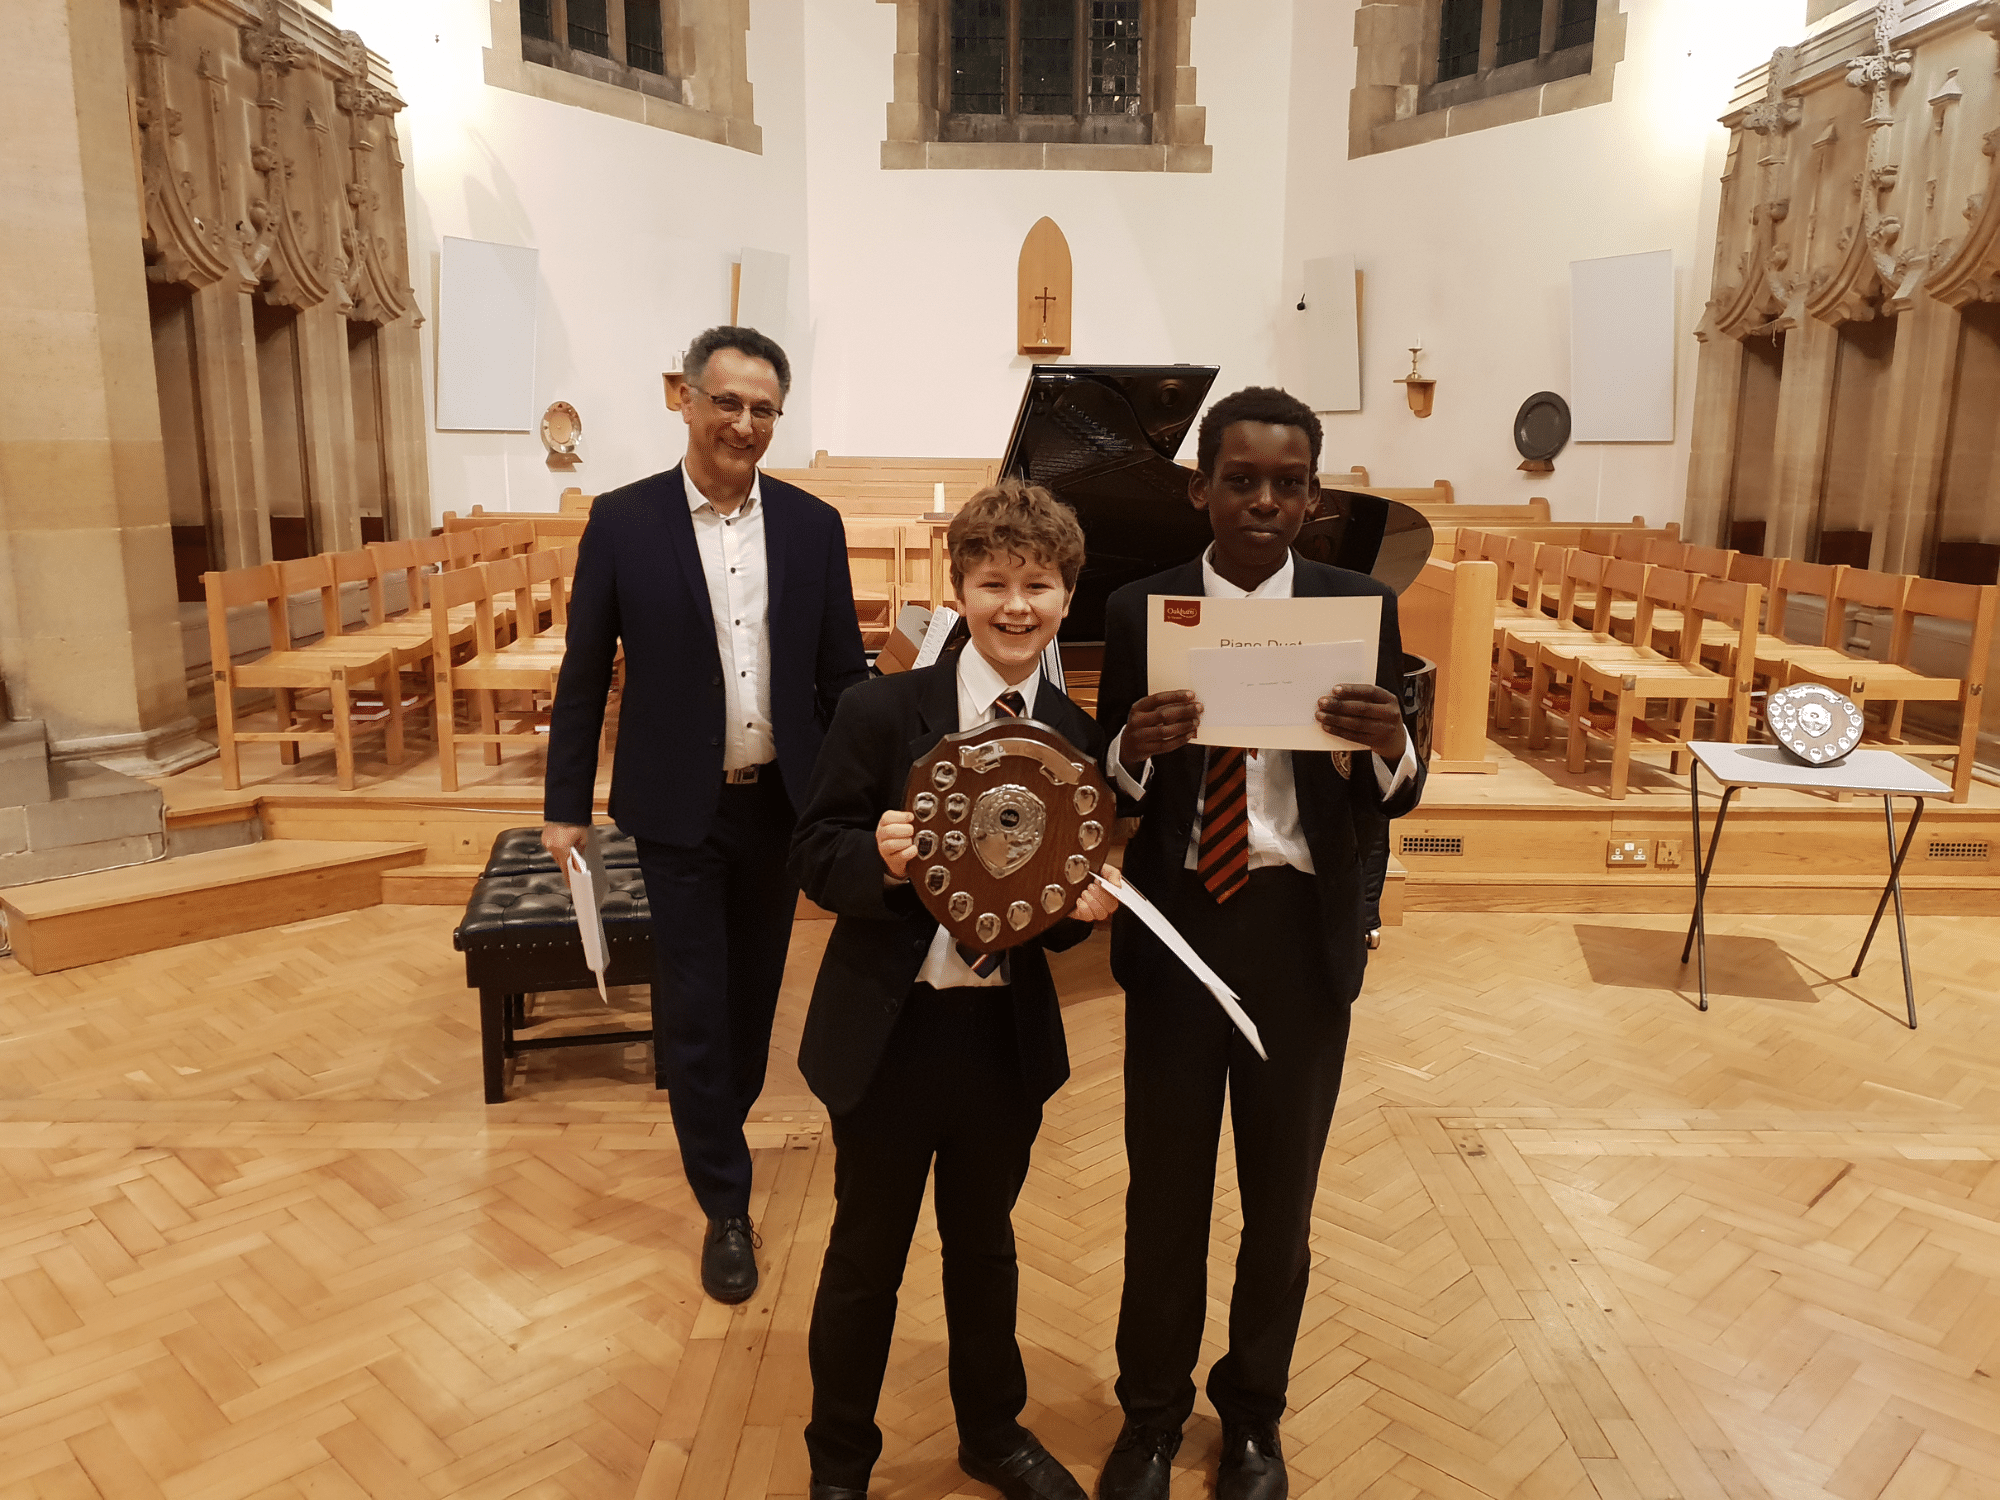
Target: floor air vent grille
x=1957, y=849
x=1433, y=843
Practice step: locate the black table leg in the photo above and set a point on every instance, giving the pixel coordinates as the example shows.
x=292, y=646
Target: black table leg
x=1895, y=888
x=493, y=1043
x=1697, y=937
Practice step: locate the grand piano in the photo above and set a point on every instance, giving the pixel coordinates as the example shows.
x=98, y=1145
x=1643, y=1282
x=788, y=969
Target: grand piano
x=1103, y=438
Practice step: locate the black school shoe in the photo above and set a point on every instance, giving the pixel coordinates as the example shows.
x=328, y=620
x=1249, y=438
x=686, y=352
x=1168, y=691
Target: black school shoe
x=1141, y=1463
x=729, y=1260
x=818, y=1491
x=1253, y=1465
x=1030, y=1472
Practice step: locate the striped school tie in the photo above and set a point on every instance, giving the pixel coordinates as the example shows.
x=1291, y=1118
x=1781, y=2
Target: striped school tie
x=1223, y=862
x=1009, y=705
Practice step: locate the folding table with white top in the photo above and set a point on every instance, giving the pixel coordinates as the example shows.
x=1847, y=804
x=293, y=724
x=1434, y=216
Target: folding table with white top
x=1868, y=773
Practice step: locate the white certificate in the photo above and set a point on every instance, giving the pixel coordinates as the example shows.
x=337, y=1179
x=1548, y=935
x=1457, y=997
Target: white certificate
x=1260, y=666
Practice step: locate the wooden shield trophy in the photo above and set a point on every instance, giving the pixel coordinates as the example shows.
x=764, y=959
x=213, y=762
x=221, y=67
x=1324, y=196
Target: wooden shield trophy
x=1011, y=821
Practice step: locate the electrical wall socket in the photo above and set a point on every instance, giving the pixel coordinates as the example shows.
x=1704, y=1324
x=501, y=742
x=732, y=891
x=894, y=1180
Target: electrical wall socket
x=1667, y=854
x=1629, y=854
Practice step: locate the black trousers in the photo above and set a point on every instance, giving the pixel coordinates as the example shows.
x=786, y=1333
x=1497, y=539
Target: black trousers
x=1181, y=1054
x=948, y=1092
x=722, y=920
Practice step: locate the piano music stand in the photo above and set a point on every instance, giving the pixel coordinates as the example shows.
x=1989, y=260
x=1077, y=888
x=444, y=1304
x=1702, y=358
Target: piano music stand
x=1874, y=773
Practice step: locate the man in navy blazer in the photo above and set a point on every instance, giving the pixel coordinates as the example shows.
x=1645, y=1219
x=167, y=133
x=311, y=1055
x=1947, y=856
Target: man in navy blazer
x=730, y=593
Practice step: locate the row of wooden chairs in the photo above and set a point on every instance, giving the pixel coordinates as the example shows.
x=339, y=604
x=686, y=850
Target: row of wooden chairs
x=1569, y=620
x=374, y=674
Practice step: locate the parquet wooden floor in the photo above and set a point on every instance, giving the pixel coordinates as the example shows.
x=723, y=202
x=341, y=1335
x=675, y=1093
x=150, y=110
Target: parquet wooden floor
x=259, y=1238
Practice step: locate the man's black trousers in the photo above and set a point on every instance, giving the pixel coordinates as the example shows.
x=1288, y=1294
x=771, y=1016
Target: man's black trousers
x=722, y=920
x=948, y=1092
x=1181, y=1053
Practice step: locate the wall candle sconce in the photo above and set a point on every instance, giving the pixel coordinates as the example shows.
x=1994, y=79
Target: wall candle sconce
x=1421, y=389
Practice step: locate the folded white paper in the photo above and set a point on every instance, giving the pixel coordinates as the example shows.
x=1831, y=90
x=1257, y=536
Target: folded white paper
x=938, y=632
x=1241, y=685
x=584, y=891
x=1232, y=1004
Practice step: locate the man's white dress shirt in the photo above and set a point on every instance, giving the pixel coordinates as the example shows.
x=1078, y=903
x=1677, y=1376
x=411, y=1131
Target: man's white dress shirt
x=739, y=596
x=1269, y=789
x=978, y=685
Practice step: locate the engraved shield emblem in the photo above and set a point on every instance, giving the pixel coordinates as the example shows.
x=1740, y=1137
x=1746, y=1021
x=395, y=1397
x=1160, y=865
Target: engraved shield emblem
x=1007, y=825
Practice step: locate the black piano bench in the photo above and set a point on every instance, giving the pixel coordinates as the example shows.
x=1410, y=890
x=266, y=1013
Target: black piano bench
x=519, y=937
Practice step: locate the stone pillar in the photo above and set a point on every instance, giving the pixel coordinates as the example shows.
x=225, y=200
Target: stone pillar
x=1916, y=426
x=90, y=636
x=407, y=506
x=326, y=388
x=232, y=418
x=1718, y=389
x=1805, y=406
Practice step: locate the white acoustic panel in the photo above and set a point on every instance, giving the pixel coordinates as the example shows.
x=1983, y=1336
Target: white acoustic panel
x=486, y=337
x=760, y=296
x=1333, y=335
x=1621, y=387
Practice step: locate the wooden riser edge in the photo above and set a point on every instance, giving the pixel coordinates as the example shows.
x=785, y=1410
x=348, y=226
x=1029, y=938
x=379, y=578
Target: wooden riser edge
x=451, y=885
x=1748, y=894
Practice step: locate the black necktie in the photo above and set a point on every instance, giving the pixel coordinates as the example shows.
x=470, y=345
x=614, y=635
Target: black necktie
x=1010, y=705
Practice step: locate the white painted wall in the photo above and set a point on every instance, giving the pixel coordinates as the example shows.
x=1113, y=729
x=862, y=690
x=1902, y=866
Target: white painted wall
x=636, y=226
x=901, y=301
x=913, y=272
x=1467, y=242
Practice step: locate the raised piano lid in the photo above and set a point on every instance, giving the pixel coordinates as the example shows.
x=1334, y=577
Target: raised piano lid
x=1103, y=438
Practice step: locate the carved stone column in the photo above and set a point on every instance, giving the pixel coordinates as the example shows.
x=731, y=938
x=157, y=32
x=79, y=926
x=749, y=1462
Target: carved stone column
x=232, y=420
x=90, y=636
x=1718, y=388
x=327, y=410
x=1805, y=406
x=1915, y=427
x=407, y=506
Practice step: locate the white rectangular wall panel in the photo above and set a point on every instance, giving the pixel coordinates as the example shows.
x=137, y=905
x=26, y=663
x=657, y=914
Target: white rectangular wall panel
x=760, y=296
x=1333, y=335
x=486, y=337
x=1621, y=310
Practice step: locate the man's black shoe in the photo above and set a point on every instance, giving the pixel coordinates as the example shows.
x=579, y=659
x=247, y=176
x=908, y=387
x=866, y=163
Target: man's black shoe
x=1253, y=1465
x=1141, y=1463
x=818, y=1491
x=1030, y=1472
x=729, y=1260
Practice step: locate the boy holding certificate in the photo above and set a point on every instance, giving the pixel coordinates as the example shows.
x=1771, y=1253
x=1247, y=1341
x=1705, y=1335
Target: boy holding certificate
x=928, y=1055
x=1257, y=860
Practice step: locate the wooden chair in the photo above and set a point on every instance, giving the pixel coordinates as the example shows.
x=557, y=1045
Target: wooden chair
x=1629, y=684
x=1895, y=682
x=491, y=669
x=1557, y=654
x=332, y=666
x=1524, y=672
x=876, y=608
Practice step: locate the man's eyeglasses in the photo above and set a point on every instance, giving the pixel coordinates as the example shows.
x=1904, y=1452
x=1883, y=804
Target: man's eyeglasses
x=732, y=407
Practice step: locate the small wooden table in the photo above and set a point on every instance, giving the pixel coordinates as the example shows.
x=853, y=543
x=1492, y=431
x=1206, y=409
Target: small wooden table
x=1871, y=773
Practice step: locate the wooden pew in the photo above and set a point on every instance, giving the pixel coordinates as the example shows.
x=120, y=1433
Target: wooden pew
x=1447, y=615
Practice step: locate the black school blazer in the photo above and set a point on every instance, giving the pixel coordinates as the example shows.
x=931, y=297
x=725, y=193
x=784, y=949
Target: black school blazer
x=639, y=580
x=1334, y=814
x=881, y=935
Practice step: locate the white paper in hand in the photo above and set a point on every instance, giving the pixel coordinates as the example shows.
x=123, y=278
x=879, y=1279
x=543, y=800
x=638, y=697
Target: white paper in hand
x=1231, y=1003
x=589, y=920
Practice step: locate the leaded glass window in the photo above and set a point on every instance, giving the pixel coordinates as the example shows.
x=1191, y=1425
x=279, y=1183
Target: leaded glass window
x=590, y=27
x=1458, y=39
x=1576, y=24
x=1520, y=32
x=1114, y=57
x=644, y=45
x=1045, y=60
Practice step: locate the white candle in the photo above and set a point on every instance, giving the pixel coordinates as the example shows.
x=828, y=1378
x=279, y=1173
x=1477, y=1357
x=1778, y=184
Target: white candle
x=937, y=495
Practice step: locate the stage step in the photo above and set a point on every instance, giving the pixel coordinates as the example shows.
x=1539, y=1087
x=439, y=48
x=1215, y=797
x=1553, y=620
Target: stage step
x=429, y=885
x=1923, y=895
x=59, y=924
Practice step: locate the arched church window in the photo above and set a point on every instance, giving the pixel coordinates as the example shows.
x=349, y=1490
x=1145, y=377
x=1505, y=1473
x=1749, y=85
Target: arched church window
x=1096, y=85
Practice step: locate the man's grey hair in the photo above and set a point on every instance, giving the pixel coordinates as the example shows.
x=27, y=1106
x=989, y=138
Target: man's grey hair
x=744, y=341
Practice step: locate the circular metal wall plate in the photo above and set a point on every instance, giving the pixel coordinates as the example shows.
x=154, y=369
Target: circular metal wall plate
x=1542, y=426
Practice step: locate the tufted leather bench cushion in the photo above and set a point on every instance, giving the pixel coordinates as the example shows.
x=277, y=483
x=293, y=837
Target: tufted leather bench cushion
x=519, y=936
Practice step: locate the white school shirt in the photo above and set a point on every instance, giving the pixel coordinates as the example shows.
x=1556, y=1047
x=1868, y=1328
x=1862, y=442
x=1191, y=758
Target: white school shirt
x=739, y=597
x=978, y=686
x=1268, y=785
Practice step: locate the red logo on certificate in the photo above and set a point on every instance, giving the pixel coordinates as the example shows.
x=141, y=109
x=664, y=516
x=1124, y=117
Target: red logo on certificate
x=1181, y=611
